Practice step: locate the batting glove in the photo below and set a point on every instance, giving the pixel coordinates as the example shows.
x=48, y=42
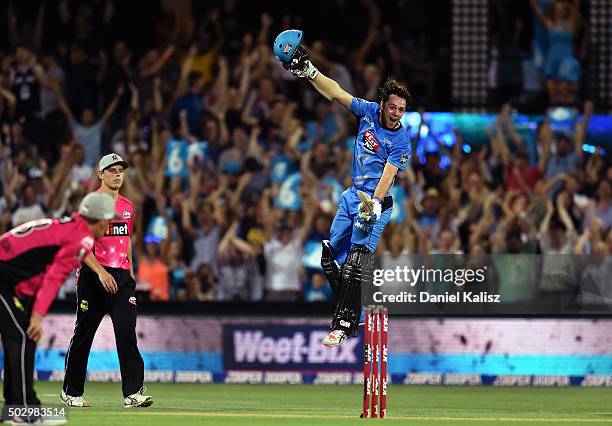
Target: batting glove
x=370, y=208
x=301, y=66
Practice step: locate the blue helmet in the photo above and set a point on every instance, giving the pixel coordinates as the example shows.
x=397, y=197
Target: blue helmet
x=286, y=44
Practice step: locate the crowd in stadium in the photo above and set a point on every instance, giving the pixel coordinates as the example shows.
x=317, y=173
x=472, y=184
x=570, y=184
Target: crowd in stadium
x=220, y=226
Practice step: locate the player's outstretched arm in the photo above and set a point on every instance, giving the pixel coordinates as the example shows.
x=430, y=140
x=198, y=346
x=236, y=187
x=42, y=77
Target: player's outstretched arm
x=331, y=90
x=295, y=58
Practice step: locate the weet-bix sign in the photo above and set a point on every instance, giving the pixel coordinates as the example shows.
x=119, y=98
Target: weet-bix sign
x=284, y=348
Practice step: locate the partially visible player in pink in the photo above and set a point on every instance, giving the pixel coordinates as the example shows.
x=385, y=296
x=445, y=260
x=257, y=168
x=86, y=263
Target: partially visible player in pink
x=106, y=284
x=35, y=259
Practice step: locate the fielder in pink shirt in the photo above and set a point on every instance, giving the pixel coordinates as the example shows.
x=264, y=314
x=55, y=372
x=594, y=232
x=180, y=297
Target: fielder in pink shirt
x=106, y=284
x=35, y=259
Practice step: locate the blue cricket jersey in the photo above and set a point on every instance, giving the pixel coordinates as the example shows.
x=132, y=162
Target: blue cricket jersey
x=375, y=145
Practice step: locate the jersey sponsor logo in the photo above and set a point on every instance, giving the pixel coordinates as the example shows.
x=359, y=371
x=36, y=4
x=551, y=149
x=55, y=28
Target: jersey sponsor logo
x=84, y=305
x=132, y=300
x=361, y=226
x=117, y=229
x=369, y=141
x=127, y=214
x=404, y=158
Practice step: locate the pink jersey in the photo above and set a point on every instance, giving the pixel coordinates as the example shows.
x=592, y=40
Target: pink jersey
x=112, y=249
x=38, y=256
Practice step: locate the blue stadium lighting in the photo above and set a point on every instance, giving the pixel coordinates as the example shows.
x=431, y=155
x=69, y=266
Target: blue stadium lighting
x=448, y=139
x=424, y=131
x=445, y=162
x=430, y=146
x=152, y=239
x=588, y=148
x=413, y=119
x=420, y=153
x=560, y=114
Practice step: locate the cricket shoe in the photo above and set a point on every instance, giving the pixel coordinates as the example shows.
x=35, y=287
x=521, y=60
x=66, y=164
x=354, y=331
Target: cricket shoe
x=138, y=399
x=74, y=401
x=335, y=338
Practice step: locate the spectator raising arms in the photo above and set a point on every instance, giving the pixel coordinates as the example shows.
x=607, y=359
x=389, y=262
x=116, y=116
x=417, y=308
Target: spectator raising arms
x=561, y=67
x=88, y=132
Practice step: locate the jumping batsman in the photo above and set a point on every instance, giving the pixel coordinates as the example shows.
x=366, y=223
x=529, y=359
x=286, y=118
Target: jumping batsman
x=35, y=259
x=105, y=283
x=381, y=148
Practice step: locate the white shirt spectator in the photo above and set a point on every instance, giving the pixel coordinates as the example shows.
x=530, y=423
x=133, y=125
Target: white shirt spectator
x=283, y=264
x=205, y=248
x=234, y=281
x=81, y=173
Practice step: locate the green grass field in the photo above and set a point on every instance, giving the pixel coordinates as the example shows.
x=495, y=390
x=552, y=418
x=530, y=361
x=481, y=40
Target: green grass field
x=215, y=404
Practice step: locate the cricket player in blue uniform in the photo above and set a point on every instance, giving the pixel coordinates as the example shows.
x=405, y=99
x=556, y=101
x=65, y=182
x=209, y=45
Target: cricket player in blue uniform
x=381, y=148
